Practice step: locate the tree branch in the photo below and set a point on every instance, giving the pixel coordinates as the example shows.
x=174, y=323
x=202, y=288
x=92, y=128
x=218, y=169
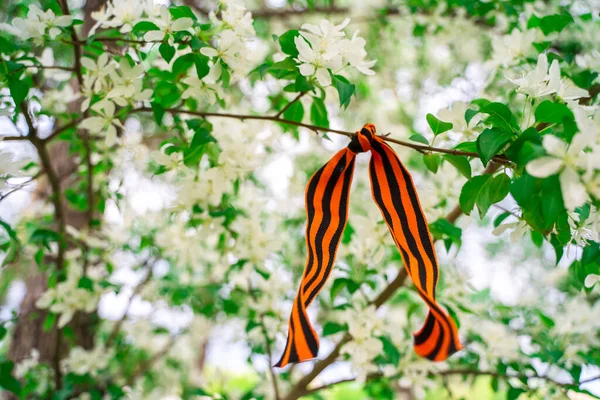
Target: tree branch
x=464, y=372
x=419, y=147
x=284, y=109
x=59, y=214
x=20, y=186
x=85, y=137
x=268, y=349
x=136, y=291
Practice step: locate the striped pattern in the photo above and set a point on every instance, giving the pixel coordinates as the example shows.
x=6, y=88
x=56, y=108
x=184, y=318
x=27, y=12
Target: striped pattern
x=327, y=196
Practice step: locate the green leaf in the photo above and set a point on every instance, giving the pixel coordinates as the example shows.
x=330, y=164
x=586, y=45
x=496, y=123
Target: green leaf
x=225, y=77
x=202, y=68
x=19, y=88
x=438, y=126
x=295, y=112
x=469, y=114
x=419, y=138
x=198, y=147
x=158, y=111
x=285, y=69
x=555, y=23
x=183, y=64
x=467, y=146
x=3, y=332
x=302, y=84
x=461, y=163
x=166, y=93
x=500, y=116
x=490, y=142
x=552, y=201
x=166, y=51
x=338, y=285
x=49, y=321
x=498, y=220
x=286, y=41
x=145, y=26
x=527, y=146
x=345, y=90
x=390, y=351
x=86, y=283
x=492, y=191
x=45, y=237
x=551, y=112
x=318, y=113
x=331, y=328
x=444, y=230
x=182, y=12
x=432, y=162
x=7, y=380
x=470, y=192
x=514, y=393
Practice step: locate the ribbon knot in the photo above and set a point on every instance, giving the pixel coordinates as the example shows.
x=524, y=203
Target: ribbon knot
x=361, y=140
x=327, y=199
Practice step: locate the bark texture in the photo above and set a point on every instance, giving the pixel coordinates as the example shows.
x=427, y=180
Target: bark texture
x=29, y=333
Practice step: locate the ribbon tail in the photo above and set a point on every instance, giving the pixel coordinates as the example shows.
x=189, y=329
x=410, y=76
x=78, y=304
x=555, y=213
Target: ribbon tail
x=395, y=195
x=327, y=196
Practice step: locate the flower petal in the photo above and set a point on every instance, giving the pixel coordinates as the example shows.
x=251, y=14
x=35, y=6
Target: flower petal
x=554, y=145
x=323, y=77
x=573, y=191
x=591, y=280
x=307, y=69
x=154, y=36
x=544, y=166
x=209, y=51
x=182, y=24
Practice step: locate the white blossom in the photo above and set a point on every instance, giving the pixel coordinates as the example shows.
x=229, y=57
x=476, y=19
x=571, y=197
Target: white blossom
x=66, y=298
x=520, y=228
x=38, y=22
x=566, y=160
x=455, y=114
x=104, y=123
x=167, y=25
x=128, y=84
x=535, y=83
x=81, y=361
x=122, y=14
x=10, y=166
x=563, y=87
x=509, y=47
x=591, y=280
x=323, y=50
x=363, y=326
x=97, y=71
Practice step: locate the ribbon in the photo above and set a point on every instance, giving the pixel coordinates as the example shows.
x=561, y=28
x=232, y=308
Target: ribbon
x=327, y=196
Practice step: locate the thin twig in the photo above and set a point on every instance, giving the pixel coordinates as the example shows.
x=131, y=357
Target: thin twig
x=451, y=372
x=63, y=128
x=419, y=147
x=136, y=291
x=145, y=366
x=20, y=186
x=267, y=348
x=284, y=109
x=58, y=67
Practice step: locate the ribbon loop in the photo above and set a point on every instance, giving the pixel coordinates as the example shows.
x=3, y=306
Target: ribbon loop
x=327, y=198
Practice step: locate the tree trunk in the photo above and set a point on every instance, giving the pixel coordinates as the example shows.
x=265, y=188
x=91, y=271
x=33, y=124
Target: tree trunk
x=29, y=333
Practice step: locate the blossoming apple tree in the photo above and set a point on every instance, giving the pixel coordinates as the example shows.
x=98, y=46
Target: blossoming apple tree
x=165, y=148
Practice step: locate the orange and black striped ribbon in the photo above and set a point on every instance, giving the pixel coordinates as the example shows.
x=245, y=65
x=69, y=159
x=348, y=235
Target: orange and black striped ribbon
x=327, y=196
